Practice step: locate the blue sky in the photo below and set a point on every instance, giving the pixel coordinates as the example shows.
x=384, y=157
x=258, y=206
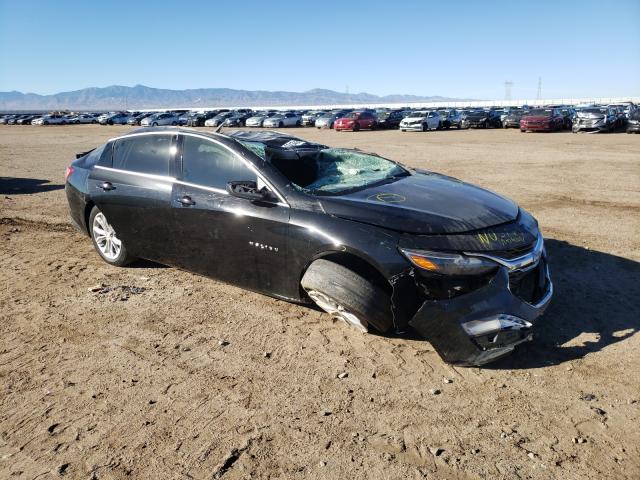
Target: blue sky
x=459, y=49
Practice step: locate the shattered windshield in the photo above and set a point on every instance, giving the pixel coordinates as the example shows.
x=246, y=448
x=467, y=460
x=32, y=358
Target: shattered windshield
x=337, y=170
x=256, y=147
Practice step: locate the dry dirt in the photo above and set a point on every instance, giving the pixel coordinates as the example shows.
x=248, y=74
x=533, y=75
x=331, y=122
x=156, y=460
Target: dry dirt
x=144, y=385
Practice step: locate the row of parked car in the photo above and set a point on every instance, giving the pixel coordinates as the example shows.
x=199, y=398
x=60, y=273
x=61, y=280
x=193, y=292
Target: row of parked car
x=597, y=118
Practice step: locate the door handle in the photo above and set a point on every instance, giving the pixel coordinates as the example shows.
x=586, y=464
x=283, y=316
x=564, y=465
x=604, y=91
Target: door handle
x=106, y=186
x=186, y=201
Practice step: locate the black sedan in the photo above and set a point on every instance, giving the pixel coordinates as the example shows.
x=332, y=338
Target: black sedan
x=389, y=119
x=481, y=119
x=374, y=243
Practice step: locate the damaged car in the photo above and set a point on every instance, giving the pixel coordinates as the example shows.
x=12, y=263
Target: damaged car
x=372, y=242
x=595, y=119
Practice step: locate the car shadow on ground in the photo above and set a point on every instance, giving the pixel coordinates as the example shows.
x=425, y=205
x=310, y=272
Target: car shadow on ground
x=142, y=263
x=21, y=186
x=595, y=305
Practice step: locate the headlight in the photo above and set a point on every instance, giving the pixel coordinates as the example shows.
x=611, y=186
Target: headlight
x=449, y=263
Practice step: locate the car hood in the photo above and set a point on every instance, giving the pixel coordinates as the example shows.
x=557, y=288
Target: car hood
x=590, y=115
x=424, y=203
x=475, y=117
x=414, y=119
x=536, y=118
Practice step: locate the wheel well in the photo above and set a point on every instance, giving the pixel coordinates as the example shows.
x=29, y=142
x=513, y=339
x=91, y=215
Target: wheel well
x=87, y=213
x=357, y=265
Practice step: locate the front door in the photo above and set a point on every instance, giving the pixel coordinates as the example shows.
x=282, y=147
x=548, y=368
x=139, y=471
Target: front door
x=216, y=234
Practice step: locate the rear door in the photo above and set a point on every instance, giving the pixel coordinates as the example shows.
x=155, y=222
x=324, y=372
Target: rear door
x=133, y=188
x=225, y=237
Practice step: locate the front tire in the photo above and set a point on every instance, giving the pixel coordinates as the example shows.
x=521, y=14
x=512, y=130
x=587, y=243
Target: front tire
x=356, y=127
x=104, y=238
x=348, y=296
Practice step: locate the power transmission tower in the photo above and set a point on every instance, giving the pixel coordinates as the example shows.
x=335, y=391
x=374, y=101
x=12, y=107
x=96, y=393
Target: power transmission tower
x=539, y=97
x=507, y=89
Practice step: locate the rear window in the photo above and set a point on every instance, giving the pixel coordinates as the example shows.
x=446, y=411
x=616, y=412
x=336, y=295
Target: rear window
x=149, y=154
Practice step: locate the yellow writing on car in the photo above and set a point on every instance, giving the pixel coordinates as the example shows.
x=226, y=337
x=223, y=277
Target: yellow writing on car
x=502, y=239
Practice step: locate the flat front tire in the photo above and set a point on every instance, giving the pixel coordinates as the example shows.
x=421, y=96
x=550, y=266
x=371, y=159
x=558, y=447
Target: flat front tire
x=347, y=296
x=105, y=240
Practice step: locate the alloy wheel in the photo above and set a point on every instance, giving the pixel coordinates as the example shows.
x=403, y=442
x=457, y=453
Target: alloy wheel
x=337, y=311
x=105, y=237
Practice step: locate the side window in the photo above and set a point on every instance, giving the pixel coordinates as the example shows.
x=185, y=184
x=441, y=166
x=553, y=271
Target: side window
x=144, y=154
x=106, y=159
x=210, y=164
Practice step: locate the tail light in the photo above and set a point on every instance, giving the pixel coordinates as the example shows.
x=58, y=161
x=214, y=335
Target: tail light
x=68, y=173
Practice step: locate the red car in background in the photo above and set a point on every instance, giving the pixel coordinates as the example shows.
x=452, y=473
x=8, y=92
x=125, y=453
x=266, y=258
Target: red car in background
x=542, y=120
x=356, y=121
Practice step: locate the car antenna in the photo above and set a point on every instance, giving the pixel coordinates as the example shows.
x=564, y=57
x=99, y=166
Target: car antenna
x=219, y=129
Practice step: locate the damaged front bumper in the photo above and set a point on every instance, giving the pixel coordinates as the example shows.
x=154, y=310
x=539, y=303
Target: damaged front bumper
x=483, y=325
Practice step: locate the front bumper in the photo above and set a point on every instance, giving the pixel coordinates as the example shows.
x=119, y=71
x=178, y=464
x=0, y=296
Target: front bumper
x=474, y=123
x=633, y=127
x=589, y=125
x=412, y=127
x=441, y=321
x=536, y=127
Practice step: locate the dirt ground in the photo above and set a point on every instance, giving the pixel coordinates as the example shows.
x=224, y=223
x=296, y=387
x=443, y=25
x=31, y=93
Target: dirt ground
x=190, y=378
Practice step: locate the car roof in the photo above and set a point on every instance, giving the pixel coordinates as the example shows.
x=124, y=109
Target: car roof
x=270, y=138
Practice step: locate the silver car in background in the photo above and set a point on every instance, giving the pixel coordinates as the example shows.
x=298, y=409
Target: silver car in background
x=160, y=119
x=258, y=119
x=327, y=120
x=52, y=119
x=595, y=119
x=288, y=119
x=218, y=119
x=119, y=118
x=450, y=117
x=309, y=118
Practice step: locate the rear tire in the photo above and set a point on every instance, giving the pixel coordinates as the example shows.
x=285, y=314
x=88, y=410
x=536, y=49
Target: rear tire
x=119, y=259
x=346, y=295
x=356, y=127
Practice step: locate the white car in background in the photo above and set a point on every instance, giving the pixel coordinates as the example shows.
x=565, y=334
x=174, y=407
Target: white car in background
x=420, y=121
x=160, y=119
x=53, y=119
x=258, y=120
x=288, y=119
x=85, y=118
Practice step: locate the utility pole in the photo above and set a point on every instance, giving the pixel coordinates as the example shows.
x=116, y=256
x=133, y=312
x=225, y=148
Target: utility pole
x=539, y=97
x=507, y=89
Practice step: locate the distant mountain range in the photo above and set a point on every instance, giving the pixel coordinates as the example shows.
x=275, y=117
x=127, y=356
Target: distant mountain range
x=140, y=96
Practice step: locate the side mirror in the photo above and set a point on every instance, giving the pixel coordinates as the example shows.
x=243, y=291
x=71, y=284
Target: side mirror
x=247, y=190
